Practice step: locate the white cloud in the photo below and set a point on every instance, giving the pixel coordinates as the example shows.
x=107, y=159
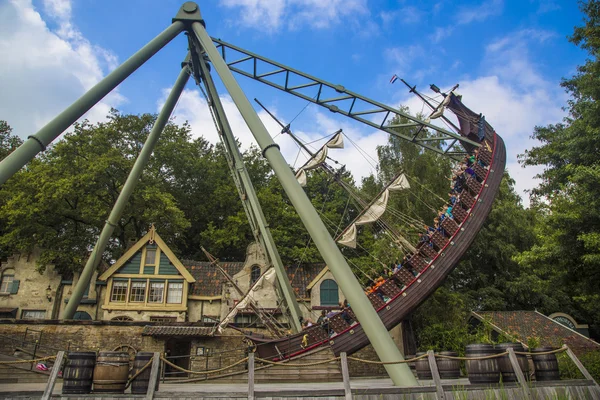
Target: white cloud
x=403, y=57
x=547, y=6
x=480, y=13
x=466, y=16
x=514, y=97
x=275, y=15
x=192, y=108
x=440, y=33
x=406, y=15
x=43, y=70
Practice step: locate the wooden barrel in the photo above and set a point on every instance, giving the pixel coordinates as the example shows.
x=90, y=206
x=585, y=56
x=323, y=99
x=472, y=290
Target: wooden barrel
x=422, y=366
x=506, y=369
x=78, y=372
x=447, y=367
x=546, y=365
x=111, y=372
x=411, y=365
x=140, y=384
x=482, y=371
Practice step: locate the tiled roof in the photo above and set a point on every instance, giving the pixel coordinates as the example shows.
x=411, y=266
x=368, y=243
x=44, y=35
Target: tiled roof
x=525, y=324
x=302, y=275
x=188, y=331
x=209, y=280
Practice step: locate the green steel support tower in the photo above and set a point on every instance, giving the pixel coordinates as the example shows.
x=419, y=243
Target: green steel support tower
x=130, y=183
x=252, y=207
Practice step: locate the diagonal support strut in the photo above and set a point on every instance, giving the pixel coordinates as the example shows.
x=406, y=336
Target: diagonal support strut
x=372, y=325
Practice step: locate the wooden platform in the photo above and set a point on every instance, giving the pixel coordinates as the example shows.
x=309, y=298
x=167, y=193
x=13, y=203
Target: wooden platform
x=362, y=389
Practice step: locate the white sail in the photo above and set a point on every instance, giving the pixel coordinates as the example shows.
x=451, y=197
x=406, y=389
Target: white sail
x=248, y=299
x=301, y=177
x=371, y=215
x=399, y=183
x=336, y=142
x=374, y=212
x=318, y=159
x=349, y=237
x=440, y=111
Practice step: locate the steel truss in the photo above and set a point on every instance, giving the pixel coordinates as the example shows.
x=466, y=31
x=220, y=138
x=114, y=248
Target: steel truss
x=337, y=99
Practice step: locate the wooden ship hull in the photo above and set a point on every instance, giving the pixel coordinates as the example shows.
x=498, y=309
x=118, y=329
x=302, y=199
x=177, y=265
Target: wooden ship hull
x=431, y=265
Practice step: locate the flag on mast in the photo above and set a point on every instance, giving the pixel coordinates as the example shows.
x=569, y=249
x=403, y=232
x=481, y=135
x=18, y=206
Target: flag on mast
x=394, y=78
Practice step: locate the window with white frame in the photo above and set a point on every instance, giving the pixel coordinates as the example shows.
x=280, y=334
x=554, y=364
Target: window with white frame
x=33, y=314
x=119, y=291
x=138, y=292
x=7, y=279
x=155, y=295
x=175, y=292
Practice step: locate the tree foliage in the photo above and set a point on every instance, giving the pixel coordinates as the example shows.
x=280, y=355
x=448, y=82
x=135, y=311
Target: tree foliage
x=564, y=268
x=486, y=273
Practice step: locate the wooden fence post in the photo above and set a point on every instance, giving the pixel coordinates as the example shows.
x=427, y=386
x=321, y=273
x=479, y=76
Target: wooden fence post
x=35, y=347
x=435, y=374
x=153, y=376
x=579, y=365
x=250, y=376
x=53, y=375
x=346, y=375
x=518, y=372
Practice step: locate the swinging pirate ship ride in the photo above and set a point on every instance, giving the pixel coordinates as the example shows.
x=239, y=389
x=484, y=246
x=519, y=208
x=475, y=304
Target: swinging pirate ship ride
x=425, y=267
x=430, y=261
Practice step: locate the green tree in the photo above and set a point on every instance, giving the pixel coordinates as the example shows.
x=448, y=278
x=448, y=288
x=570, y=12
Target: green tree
x=61, y=200
x=486, y=273
x=565, y=265
x=8, y=142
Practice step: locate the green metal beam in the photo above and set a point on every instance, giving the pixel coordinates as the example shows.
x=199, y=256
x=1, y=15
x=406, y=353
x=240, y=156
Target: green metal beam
x=248, y=195
x=128, y=187
x=372, y=325
x=38, y=142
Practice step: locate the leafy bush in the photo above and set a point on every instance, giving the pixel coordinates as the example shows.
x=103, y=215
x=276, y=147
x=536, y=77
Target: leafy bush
x=568, y=369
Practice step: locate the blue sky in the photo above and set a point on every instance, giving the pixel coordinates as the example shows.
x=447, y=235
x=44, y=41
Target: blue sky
x=508, y=57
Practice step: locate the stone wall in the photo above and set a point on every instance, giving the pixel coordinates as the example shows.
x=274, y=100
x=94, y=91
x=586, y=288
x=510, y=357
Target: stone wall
x=219, y=352
x=82, y=336
x=31, y=294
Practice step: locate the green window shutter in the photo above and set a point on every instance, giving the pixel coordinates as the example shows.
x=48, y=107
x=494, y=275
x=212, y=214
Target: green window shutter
x=15, y=286
x=329, y=293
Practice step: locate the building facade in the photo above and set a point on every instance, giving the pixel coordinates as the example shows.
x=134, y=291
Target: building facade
x=149, y=283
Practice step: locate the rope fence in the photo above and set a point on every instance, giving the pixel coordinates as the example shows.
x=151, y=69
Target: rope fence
x=361, y=360
x=300, y=365
x=27, y=361
x=287, y=364
x=188, y=371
